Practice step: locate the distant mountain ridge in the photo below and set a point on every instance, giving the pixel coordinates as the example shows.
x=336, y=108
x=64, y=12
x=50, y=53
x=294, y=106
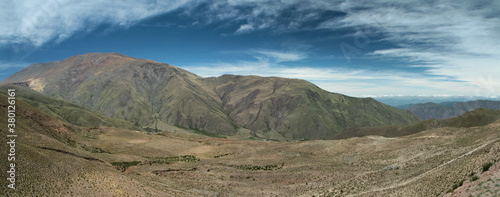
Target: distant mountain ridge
x=403, y=102
x=450, y=109
x=156, y=95
x=474, y=118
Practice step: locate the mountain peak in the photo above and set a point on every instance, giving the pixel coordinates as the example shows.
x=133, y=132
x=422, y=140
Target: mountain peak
x=156, y=95
x=103, y=59
x=78, y=68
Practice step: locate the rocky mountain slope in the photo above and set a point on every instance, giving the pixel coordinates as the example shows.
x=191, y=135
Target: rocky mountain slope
x=156, y=95
x=298, y=109
x=450, y=109
x=65, y=111
x=56, y=158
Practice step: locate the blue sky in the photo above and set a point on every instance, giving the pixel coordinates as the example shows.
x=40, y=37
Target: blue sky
x=354, y=47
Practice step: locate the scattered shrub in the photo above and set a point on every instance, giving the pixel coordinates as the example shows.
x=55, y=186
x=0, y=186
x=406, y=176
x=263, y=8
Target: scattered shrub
x=252, y=167
x=222, y=155
x=487, y=166
x=474, y=178
x=71, y=142
x=124, y=165
x=167, y=160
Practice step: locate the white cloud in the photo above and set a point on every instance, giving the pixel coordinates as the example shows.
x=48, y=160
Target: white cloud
x=456, y=42
x=265, y=60
x=454, y=39
x=278, y=56
x=244, y=29
x=354, y=82
x=37, y=22
x=347, y=81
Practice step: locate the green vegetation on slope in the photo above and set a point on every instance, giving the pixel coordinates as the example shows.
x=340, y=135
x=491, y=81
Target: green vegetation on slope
x=155, y=95
x=297, y=109
x=478, y=117
x=55, y=162
x=63, y=110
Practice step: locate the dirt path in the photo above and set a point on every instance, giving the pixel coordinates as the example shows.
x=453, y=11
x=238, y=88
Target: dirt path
x=411, y=180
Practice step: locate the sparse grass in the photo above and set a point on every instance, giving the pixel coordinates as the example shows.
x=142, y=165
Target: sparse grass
x=92, y=149
x=90, y=136
x=66, y=111
x=317, y=163
x=198, y=131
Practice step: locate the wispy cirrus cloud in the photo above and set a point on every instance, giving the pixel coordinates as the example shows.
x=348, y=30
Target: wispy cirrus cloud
x=448, y=38
x=263, y=60
x=455, y=40
x=350, y=81
x=36, y=22
x=354, y=82
x=278, y=56
x=455, y=43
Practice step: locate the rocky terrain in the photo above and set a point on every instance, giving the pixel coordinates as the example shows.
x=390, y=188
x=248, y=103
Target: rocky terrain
x=57, y=158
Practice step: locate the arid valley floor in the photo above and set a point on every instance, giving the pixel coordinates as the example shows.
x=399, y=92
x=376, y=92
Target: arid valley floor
x=58, y=159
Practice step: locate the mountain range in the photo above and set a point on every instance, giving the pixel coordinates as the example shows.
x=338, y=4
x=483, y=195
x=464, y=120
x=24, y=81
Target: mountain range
x=113, y=125
x=449, y=109
x=156, y=96
x=403, y=102
x=456, y=157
